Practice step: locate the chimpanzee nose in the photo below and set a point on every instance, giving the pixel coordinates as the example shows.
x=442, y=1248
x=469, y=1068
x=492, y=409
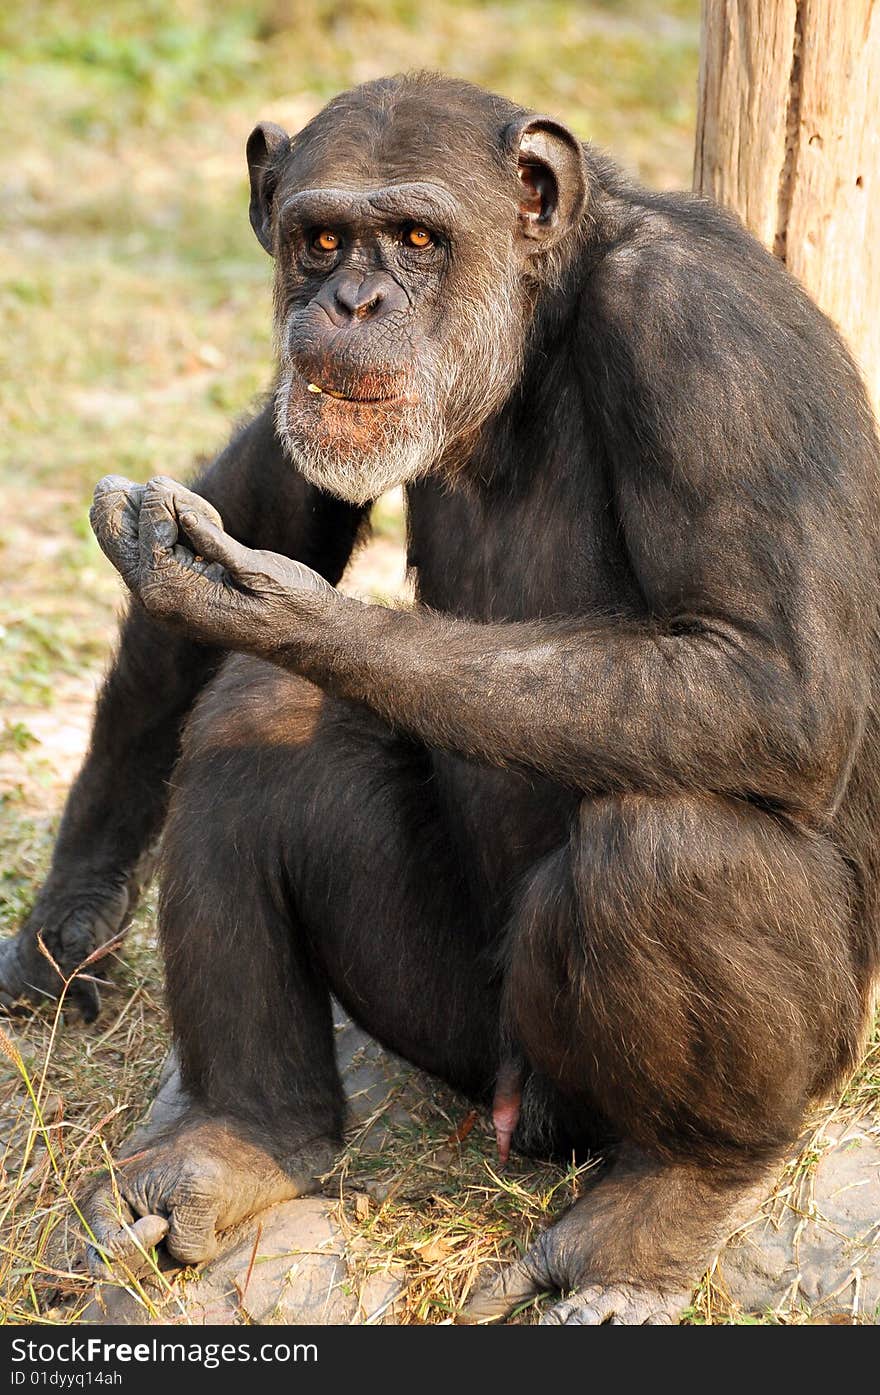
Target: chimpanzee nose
x=359, y=298
x=352, y=297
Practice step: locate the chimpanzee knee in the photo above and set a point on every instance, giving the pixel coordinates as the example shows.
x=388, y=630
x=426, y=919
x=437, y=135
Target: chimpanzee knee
x=683, y=964
x=252, y=704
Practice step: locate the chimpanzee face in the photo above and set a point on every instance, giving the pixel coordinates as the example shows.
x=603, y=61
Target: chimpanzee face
x=402, y=235
x=385, y=354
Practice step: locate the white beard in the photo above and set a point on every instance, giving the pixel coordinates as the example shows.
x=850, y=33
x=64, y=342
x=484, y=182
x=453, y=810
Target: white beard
x=404, y=448
x=356, y=480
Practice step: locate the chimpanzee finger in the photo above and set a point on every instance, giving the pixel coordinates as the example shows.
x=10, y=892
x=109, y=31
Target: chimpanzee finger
x=159, y=530
x=505, y=1291
x=215, y=544
x=163, y=503
x=83, y=995
x=114, y=517
x=117, y=1236
x=259, y=571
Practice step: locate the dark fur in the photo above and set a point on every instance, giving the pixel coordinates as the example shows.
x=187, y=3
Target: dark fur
x=608, y=793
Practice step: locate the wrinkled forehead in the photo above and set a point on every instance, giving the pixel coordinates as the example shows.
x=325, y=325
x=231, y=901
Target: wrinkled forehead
x=423, y=149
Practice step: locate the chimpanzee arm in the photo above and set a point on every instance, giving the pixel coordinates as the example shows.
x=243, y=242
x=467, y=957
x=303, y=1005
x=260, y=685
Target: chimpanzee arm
x=712, y=705
x=748, y=678
x=744, y=463
x=740, y=446
x=117, y=803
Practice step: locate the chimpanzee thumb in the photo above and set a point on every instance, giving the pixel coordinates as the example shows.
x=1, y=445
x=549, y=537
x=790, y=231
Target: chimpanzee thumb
x=214, y=544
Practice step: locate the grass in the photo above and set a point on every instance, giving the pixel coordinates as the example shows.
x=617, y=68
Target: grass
x=67, y=1101
x=135, y=308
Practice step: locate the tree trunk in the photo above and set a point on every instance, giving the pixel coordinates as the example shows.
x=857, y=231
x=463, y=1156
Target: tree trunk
x=788, y=135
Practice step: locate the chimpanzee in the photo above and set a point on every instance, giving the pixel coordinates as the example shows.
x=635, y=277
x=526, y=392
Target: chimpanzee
x=589, y=830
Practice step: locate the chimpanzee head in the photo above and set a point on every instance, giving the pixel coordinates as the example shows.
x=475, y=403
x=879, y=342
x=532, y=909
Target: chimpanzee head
x=412, y=222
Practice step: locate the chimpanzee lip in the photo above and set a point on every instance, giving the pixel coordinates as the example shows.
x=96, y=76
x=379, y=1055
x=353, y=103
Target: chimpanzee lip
x=363, y=399
x=348, y=397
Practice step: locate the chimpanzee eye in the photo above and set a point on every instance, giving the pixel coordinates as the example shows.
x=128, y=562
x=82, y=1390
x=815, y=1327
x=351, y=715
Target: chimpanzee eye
x=418, y=236
x=326, y=241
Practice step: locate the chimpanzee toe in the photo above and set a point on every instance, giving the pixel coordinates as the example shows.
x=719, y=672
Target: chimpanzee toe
x=618, y=1305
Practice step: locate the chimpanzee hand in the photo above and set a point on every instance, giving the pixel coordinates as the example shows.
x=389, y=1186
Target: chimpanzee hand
x=169, y=546
x=73, y=918
x=187, y=1188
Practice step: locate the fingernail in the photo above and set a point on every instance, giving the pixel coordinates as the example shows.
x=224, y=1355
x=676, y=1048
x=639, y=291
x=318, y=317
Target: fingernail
x=188, y=518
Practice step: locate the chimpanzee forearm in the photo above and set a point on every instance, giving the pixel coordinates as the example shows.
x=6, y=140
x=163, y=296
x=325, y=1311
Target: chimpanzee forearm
x=628, y=706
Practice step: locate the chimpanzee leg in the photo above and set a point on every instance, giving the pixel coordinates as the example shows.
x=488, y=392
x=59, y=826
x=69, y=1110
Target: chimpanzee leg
x=685, y=964
x=303, y=854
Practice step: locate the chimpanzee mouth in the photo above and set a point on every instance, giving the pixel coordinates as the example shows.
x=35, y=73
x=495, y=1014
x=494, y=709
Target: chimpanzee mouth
x=360, y=401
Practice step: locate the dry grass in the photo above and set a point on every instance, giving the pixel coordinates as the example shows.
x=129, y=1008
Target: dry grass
x=68, y=1098
x=429, y=1205
x=433, y=1206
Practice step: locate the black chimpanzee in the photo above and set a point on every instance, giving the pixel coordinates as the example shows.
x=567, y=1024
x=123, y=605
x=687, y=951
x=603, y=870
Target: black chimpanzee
x=589, y=830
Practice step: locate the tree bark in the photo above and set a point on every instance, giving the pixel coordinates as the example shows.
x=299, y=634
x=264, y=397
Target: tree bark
x=788, y=135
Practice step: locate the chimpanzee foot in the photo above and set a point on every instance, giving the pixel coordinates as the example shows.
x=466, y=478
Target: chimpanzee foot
x=619, y=1305
x=630, y=1252
x=188, y=1188
x=558, y=1263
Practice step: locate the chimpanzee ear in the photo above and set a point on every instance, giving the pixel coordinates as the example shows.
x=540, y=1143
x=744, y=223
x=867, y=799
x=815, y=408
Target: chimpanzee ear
x=266, y=146
x=553, y=175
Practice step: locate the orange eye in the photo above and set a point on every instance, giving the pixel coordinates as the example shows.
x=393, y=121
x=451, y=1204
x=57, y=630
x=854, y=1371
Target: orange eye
x=327, y=241
x=419, y=237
